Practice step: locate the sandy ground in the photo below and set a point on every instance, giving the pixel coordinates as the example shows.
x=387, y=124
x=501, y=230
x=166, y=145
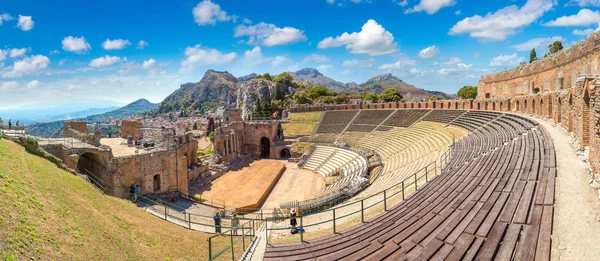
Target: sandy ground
x=576, y=229
x=294, y=184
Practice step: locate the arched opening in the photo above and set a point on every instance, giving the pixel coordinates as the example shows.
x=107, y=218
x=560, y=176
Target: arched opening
x=585, y=128
x=570, y=123
x=525, y=106
x=500, y=106
x=478, y=106
x=533, y=107
x=156, y=183
x=493, y=106
x=449, y=105
x=542, y=111
x=285, y=154
x=485, y=106
x=518, y=106
x=91, y=165
x=559, y=111
x=265, y=148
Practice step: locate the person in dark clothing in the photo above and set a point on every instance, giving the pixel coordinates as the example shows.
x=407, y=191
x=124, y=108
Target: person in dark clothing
x=131, y=191
x=293, y=221
x=217, y=219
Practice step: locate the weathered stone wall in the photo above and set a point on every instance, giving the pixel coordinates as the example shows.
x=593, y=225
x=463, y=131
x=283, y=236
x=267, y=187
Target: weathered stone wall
x=131, y=128
x=80, y=126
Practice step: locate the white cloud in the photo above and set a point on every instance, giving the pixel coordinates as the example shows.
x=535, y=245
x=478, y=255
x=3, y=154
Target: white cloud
x=106, y=61
x=149, y=63
x=33, y=84
x=207, y=12
x=205, y=56
x=416, y=72
x=246, y=21
x=8, y=85
x=342, y=2
x=316, y=58
x=75, y=44
x=504, y=22
x=430, y=6
x=373, y=39
x=584, y=17
x=454, y=68
x=269, y=34
x=142, y=44
x=116, y=44
x=400, y=64
x=3, y=54
x=16, y=52
x=429, y=52
x=586, y=32
x=28, y=65
x=457, y=12
x=506, y=60
x=5, y=17
x=256, y=57
x=324, y=67
x=583, y=3
x=279, y=60
x=450, y=60
x=54, y=52
x=401, y=3
x=538, y=43
x=355, y=63
x=25, y=23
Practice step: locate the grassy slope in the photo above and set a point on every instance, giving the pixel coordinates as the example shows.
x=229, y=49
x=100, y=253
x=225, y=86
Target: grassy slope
x=49, y=214
x=301, y=123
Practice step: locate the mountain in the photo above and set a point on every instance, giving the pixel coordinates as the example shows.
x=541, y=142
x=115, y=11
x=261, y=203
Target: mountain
x=314, y=77
x=383, y=81
x=441, y=95
x=246, y=78
x=31, y=114
x=82, y=114
x=213, y=90
x=53, y=128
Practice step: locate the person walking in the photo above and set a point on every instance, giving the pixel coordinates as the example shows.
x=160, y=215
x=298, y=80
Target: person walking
x=235, y=222
x=217, y=219
x=293, y=221
x=136, y=191
x=131, y=192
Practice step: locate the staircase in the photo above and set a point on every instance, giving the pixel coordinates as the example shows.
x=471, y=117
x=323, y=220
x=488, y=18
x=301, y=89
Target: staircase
x=256, y=250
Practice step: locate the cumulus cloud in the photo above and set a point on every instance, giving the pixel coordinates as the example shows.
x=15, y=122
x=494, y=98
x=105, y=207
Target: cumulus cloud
x=356, y=63
x=205, y=56
x=149, y=63
x=269, y=34
x=430, y=6
x=25, y=23
x=17, y=52
x=256, y=57
x=586, y=32
x=429, y=52
x=106, y=61
x=401, y=3
x=584, y=17
x=454, y=68
x=142, y=44
x=116, y=44
x=506, y=60
x=3, y=54
x=324, y=67
x=207, y=12
x=75, y=44
x=502, y=23
x=5, y=17
x=373, y=40
x=33, y=84
x=400, y=64
x=538, y=43
x=8, y=85
x=583, y=3
x=316, y=58
x=28, y=65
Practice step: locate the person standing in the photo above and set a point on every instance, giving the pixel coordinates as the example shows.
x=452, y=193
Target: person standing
x=293, y=221
x=217, y=219
x=235, y=222
x=131, y=193
x=136, y=191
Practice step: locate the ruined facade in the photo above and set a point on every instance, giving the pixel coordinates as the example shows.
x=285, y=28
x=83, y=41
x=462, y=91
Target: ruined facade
x=261, y=138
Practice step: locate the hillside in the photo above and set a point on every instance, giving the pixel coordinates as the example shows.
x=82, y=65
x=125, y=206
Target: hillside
x=381, y=82
x=82, y=114
x=213, y=90
x=314, y=77
x=48, y=128
x=49, y=214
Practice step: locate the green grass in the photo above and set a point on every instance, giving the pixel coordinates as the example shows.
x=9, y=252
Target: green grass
x=301, y=123
x=305, y=116
x=49, y=214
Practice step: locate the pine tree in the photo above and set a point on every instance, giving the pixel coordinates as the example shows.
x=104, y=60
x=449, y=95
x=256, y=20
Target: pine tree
x=532, y=56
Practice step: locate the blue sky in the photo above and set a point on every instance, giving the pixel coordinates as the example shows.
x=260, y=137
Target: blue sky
x=61, y=52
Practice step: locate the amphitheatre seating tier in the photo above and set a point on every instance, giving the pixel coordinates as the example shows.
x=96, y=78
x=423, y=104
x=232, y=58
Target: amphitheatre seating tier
x=405, y=118
x=494, y=201
x=443, y=116
x=372, y=117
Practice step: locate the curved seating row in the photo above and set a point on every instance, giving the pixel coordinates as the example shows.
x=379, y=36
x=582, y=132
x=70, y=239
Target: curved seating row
x=495, y=201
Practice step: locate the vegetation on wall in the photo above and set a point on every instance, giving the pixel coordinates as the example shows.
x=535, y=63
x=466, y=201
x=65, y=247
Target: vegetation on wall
x=467, y=92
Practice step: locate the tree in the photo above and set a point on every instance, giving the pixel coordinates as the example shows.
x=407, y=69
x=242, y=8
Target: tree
x=284, y=78
x=265, y=76
x=467, y=92
x=555, y=47
x=278, y=94
x=432, y=98
x=9, y=123
x=532, y=56
x=326, y=99
x=390, y=94
x=340, y=99
x=195, y=126
x=300, y=97
x=212, y=136
x=317, y=91
x=370, y=96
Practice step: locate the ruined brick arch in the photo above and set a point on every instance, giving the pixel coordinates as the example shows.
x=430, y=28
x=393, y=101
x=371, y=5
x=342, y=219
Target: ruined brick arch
x=265, y=147
x=585, y=111
x=479, y=106
x=525, y=105
x=570, y=120
x=542, y=110
x=533, y=109
x=559, y=110
x=518, y=107
x=493, y=106
x=501, y=105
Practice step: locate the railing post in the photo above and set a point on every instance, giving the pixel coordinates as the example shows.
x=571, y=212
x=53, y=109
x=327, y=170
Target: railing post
x=243, y=238
x=416, y=187
x=334, y=221
x=190, y=220
x=362, y=211
x=384, y=200
x=426, y=174
x=232, y=246
x=402, y=190
x=209, y=248
x=166, y=213
x=301, y=234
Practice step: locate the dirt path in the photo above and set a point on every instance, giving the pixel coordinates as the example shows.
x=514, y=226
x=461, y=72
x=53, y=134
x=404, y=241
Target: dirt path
x=576, y=231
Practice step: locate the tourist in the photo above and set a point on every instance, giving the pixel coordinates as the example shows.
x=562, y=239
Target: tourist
x=136, y=191
x=131, y=190
x=217, y=219
x=174, y=196
x=235, y=222
x=293, y=221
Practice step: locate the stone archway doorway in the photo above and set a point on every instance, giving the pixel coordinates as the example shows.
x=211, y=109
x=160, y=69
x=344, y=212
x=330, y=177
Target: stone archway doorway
x=265, y=148
x=285, y=154
x=91, y=165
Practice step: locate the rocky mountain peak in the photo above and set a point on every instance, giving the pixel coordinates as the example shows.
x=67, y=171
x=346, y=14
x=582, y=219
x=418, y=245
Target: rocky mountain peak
x=309, y=72
x=384, y=78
